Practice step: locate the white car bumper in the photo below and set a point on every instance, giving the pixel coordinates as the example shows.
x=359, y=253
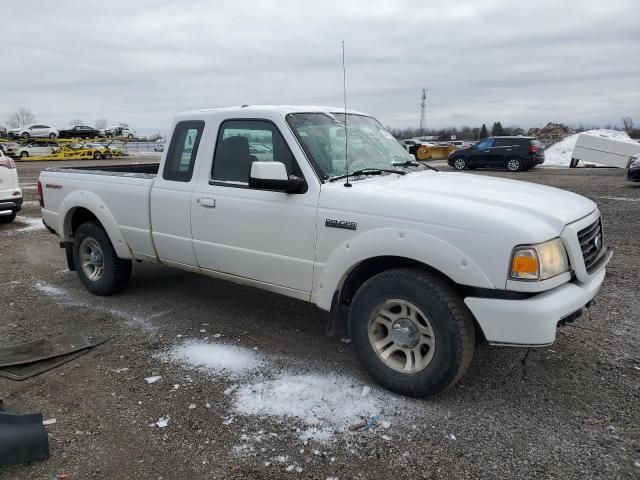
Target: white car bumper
x=532, y=321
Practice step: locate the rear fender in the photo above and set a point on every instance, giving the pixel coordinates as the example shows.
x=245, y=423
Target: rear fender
x=93, y=203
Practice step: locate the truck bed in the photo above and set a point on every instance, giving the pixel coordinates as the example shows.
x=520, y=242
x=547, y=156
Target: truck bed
x=122, y=192
x=139, y=170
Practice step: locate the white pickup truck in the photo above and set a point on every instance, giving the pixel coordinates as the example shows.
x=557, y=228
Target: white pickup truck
x=416, y=263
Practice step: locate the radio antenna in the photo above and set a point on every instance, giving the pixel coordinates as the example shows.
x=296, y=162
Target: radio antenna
x=344, y=94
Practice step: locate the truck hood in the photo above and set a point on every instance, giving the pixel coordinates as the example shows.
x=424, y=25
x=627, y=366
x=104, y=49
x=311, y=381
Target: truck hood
x=497, y=199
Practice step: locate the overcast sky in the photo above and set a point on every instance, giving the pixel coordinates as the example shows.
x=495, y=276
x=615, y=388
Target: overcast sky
x=522, y=63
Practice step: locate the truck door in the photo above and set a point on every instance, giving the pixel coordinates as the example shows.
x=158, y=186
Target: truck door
x=171, y=196
x=263, y=235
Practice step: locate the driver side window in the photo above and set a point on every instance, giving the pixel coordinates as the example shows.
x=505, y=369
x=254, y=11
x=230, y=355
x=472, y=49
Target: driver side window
x=242, y=142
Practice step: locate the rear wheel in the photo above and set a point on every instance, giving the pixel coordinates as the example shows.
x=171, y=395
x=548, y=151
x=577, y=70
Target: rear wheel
x=24, y=154
x=97, y=155
x=52, y=135
x=459, y=163
x=106, y=155
x=8, y=218
x=25, y=135
x=98, y=266
x=412, y=332
x=514, y=164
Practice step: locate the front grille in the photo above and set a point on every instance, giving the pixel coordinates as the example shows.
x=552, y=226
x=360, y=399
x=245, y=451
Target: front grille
x=592, y=245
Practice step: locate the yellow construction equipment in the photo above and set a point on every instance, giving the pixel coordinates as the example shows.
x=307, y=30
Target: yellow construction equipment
x=434, y=152
x=75, y=149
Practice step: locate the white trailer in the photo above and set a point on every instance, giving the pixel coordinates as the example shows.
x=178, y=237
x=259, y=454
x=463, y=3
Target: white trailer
x=607, y=151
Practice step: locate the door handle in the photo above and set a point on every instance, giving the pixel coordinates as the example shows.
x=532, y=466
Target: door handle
x=207, y=202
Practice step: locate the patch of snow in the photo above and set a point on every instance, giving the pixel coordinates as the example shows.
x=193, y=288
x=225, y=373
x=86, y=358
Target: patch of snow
x=30, y=224
x=327, y=404
x=153, y=379
x=50, y=421
x=215, y=358
x=49, y=289
x=559, y=154
x=163, y=422
x=621, y=199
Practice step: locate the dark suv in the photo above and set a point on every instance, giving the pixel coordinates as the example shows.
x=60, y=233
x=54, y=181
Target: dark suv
x=512, y=153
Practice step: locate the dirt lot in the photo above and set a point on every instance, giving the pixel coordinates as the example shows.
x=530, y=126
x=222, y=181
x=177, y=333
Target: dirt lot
x=283, y=405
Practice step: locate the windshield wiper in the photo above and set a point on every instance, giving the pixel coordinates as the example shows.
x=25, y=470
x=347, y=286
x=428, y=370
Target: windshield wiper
x=367, y=171
x=411, y=163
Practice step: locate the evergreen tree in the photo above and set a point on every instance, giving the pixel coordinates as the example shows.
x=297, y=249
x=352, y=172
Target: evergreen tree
x=497, y=130
x=483, y=132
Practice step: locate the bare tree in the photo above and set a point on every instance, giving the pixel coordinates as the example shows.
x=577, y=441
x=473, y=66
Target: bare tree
x=101, y=123
x=75, y=121
x=20, y=117
x=627, y=124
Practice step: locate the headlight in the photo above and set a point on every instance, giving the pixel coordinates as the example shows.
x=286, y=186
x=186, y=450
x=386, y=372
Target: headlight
x=539, y=262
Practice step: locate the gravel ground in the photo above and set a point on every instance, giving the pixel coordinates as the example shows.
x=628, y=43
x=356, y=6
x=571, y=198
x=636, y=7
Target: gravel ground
x=281, y=405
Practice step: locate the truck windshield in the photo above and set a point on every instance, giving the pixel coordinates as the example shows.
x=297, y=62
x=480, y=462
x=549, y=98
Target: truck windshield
x=368, y=144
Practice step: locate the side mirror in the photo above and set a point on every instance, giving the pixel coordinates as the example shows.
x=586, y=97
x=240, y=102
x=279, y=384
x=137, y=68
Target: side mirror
x=273, y=176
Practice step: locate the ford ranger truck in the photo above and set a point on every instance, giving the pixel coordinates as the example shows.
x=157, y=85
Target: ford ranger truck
x=324, y=205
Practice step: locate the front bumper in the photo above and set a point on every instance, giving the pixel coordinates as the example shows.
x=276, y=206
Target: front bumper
x=532, y=321
x=633, y=174
x=11, y=203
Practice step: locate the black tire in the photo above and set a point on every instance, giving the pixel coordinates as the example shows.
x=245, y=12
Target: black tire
x=52, y=135
x=97, y=155
x=106, y=155
x=460, y=163
x=8, y=218
x=116, y=271
x=25, y=135
x=450, y=320
x=24, y=154
x=573, y=163
x=130, y=136
x=513, y=164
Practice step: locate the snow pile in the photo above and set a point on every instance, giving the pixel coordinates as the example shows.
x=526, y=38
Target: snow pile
x=211, y=357
x=551, y=133
x=327, y=404
x=559, y=154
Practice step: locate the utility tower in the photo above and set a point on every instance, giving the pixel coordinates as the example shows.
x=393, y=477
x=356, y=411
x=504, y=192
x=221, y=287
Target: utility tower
x=423, y=108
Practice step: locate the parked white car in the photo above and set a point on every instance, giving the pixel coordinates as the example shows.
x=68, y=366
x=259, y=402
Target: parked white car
x=36, y=130
x=10, y=191
x=118, y=131
x=414, y=261
x=37, y=149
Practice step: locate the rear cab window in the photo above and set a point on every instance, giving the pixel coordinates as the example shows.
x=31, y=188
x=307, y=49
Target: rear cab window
x=183, y=149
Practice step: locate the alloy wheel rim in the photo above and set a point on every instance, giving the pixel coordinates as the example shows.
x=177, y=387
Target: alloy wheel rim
x=459, y=164
x=91, y=259
x=402, y=336
x=513, y=165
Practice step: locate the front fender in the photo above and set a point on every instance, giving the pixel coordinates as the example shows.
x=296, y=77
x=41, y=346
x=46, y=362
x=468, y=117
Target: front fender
x=90, y=201
x=409, y=244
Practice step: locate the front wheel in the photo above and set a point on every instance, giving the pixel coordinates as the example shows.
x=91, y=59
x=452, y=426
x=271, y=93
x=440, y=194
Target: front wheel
x=514, y=164
x=98, y=266
x=97, y=155
x=24, y=155
x=25, y=135
x=52, y=135
x=412, y=332
x=460, y=163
